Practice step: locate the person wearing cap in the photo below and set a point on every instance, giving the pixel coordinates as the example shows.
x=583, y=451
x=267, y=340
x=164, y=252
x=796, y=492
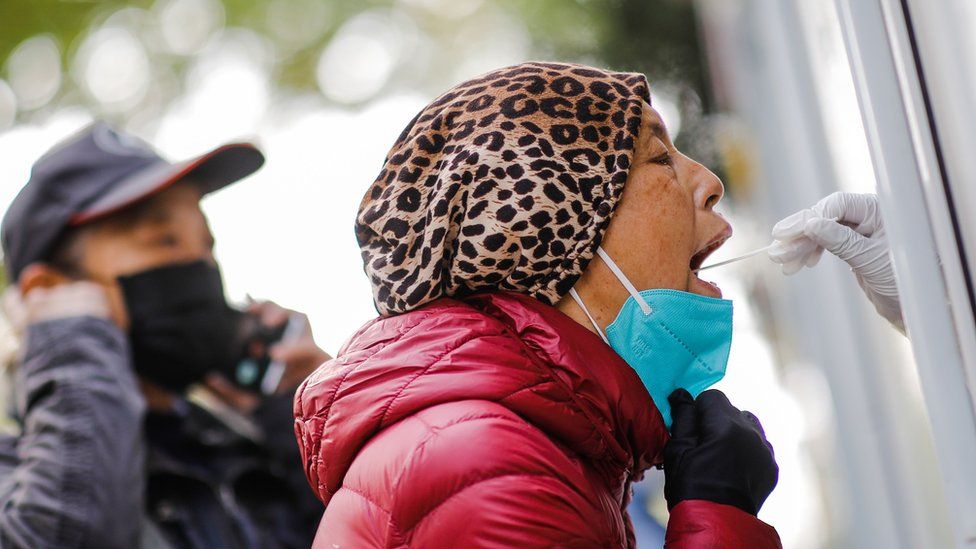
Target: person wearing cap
x=532, y=242
x=121, y=309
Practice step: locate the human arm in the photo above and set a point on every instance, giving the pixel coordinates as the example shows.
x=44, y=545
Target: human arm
x=700, y=523
x=272, y=413
x=74, y=476
x=719, y=469
x=849, y=226
x=297, y=351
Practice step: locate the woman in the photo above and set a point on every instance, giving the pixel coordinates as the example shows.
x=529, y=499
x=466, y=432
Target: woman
x=490, y=405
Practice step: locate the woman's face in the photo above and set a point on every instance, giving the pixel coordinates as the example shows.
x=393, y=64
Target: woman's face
x=666, y=224
x=663, y=227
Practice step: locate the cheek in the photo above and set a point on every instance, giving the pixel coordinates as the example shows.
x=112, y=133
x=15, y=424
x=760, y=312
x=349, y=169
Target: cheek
x=103, y=267
x=672, y=224
x=673, y=212
x=116, y=302
x=654, y=229
x=121, y=255
x=116, y=258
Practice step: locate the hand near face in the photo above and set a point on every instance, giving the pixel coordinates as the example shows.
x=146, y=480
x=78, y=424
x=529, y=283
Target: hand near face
x=300, y=355
x=717, y=453
x=850, y=226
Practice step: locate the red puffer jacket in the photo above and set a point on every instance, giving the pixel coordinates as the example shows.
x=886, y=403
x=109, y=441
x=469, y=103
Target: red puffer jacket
x=496, y=421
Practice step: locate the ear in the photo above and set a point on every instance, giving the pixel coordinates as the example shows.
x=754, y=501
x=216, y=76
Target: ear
x=40, y=275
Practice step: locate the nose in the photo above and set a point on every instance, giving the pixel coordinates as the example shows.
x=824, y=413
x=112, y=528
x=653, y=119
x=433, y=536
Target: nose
x=709, y=189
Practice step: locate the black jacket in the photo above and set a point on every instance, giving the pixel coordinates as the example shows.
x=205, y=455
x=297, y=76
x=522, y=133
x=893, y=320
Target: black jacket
x=92, y=469
x=74, y=476
x=211, y=486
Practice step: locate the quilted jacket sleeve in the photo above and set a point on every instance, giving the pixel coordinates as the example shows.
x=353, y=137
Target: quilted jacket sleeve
x=466, y=474
x=699, y=523
x=74, y=477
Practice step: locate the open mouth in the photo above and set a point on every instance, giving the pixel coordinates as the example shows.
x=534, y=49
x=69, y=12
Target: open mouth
x=704, y=286
x=701, y=255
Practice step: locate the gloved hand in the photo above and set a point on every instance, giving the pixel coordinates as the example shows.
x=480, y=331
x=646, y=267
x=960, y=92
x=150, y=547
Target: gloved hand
x=849, y=226
x=717, y=453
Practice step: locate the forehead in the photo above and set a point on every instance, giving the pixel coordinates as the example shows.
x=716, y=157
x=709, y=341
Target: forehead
x=651, y=121
x=169, y=205
x=181, y=194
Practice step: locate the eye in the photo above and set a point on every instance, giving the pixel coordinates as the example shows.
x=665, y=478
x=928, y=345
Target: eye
x=663, y=159
x=168, y=240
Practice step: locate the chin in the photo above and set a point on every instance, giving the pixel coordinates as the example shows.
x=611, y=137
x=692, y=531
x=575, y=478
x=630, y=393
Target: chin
x=703, y=287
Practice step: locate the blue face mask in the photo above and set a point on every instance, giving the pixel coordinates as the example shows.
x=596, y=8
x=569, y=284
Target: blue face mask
x=672, y=339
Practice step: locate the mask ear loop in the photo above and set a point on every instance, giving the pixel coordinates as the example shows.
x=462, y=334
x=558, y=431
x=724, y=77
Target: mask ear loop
x=623, y=280
x=579, y=301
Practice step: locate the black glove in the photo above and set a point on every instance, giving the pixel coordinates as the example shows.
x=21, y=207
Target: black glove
x=717, y=453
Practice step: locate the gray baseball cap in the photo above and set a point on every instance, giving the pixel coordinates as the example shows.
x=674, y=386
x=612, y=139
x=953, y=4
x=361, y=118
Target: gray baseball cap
x=97, y=172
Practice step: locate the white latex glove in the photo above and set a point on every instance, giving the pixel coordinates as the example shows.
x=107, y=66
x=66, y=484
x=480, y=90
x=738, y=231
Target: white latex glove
x=849, y=226
x=62, y=301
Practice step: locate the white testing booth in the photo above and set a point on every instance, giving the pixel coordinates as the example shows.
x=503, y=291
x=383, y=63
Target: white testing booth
x=864, y=96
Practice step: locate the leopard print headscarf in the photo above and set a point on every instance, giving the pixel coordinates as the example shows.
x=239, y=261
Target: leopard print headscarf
x=505, y=182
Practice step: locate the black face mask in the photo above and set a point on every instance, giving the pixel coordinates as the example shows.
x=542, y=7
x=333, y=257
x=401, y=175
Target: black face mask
x=181, y=325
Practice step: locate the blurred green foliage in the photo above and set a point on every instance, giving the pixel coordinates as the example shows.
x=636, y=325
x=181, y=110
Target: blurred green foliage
x=657, y=37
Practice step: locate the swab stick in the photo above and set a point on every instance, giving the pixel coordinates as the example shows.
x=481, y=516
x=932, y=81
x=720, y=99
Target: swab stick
x=734, y=259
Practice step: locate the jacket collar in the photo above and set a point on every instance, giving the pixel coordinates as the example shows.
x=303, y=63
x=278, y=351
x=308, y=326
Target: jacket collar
x=604, y=388
x=501, y=347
